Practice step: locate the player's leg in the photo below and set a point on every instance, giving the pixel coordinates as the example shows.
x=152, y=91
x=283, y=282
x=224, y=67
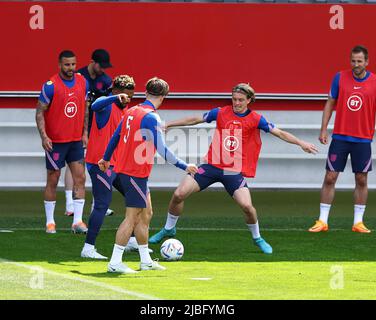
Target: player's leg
x=55, y=161
x=135, y=190
x=102, y=192
x=132, y=243
x=123, y=234
x=76, y=163
x=68, y=186
x=186, y=187
x=50, y=199
x=237, y=188
x=141, y=232
x=361, y=161
x=335, y=163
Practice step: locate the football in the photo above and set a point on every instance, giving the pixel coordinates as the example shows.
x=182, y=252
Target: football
x=172, y=250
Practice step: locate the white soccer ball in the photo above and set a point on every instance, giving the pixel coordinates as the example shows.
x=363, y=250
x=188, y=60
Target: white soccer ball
x=172, y=250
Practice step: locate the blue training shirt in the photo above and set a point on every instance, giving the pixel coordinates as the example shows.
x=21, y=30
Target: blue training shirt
x=151, y=131
x=47, y=92
x=263, y=124
x=334, y=93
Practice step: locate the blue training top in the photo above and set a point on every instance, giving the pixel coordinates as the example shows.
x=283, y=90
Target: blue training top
x=151, y=131
x=47, y=92
x=334, y=93
x=212, y=115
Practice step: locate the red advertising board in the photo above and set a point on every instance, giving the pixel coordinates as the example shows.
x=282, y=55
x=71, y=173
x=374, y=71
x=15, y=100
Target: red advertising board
x=196, y=47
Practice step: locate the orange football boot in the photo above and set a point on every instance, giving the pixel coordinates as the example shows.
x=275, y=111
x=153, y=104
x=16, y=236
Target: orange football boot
x=51, y=228
x=319, y=227
x=360, y=227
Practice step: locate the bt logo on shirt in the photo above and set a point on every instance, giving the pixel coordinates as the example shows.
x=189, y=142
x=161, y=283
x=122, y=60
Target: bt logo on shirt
x=70, y=109
x=354, y=102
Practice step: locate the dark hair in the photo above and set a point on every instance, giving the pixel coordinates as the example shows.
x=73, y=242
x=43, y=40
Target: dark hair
x=66, y=54
x=359, y=49
x=157, y=87
x=123, y=82
x=246, y=89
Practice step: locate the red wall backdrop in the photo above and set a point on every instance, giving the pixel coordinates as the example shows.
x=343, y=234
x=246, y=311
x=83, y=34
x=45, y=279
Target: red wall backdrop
x=196, y=47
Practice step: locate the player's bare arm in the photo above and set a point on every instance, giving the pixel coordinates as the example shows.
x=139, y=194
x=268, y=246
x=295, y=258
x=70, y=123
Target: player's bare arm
x=85, y=137
x=39, y=118
x=188, y=121
x=290, y=138
x=327, y=114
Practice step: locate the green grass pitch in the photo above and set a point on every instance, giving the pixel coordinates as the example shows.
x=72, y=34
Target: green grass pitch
x=220, y=261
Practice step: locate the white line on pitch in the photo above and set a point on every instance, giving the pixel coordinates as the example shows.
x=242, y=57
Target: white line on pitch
x=92, y=282
x=182, y=229
x=201, y=279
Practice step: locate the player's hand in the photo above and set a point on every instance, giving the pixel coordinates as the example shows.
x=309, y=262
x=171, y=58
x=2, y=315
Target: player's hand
x=123, y=98
x=191, y=168
x=103, y=165
x=323, y=138
x=47, y=143
x=309, y=147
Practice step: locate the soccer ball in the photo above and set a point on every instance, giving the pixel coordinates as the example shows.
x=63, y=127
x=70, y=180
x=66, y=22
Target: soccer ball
x=172, y=250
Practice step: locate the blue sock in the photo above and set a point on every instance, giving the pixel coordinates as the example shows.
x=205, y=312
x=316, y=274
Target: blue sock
x=95, y=223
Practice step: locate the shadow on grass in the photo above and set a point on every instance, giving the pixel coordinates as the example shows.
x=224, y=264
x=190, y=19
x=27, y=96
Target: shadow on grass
x=200, y=246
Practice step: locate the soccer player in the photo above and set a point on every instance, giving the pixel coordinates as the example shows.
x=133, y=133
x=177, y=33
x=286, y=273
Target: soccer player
x=62, y=120
x=99, y=84
x=353, y=92
x=108, y=112
x=233, y=155
x=138, y=136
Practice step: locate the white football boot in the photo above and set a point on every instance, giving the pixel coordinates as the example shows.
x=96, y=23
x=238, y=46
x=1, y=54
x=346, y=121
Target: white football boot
x=120, y=268
x=154, y=265
x=92, y=254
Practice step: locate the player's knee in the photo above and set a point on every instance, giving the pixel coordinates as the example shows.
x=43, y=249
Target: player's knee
x=53, y=177
x=179, y=195
x=79, y=180
x=361, y=181
x=249, y=209
x=330, y=179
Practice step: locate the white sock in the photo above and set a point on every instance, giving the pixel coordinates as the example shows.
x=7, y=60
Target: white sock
x=49, y=207
x=69, y=201
x=88, y=246
x=143, y=250
x=78, y=210
x=255, y=230
x=117, y=254
x=171, y=221
x=324, y=212
x=132, y=242
x=358, y=213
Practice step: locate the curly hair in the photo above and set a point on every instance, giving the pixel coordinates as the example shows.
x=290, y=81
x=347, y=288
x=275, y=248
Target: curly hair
x=123, y=82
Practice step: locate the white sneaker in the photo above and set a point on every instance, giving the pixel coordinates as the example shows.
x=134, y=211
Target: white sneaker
x=109, y=212
x=130, y=247
x=154, y=265
x=120, y=268
x=93, y=254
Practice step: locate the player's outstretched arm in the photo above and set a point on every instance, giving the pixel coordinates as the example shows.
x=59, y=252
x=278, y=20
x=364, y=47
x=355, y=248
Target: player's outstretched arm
x=188, y=121
x=290, y=138
x=326, y=115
